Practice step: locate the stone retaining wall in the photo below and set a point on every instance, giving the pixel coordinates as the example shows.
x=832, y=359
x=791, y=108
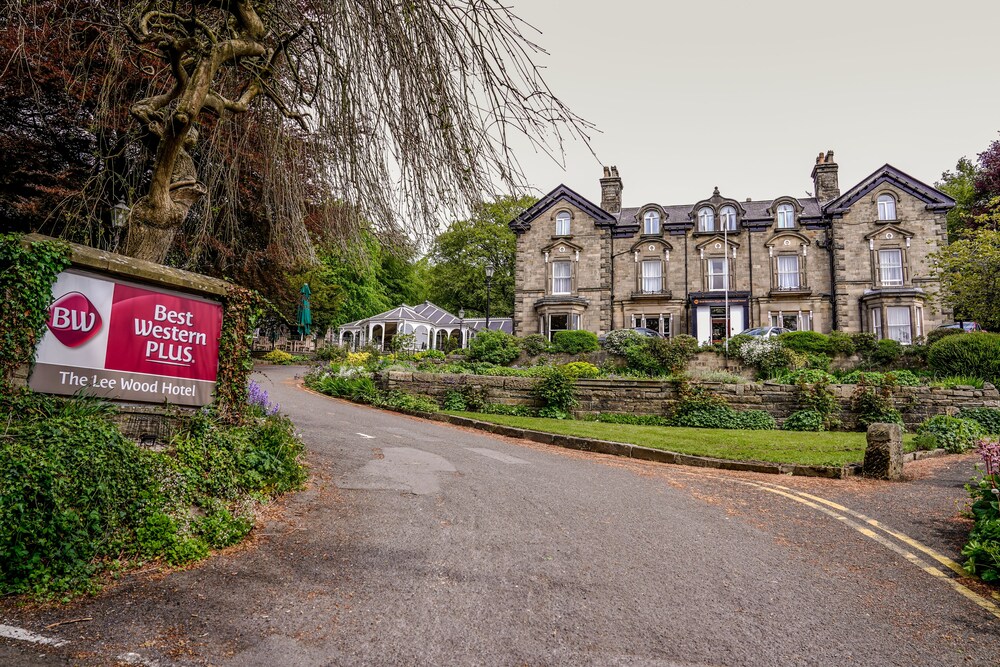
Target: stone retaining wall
x=654, y=397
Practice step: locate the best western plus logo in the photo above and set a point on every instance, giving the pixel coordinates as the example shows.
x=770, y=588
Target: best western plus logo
x=73, y=319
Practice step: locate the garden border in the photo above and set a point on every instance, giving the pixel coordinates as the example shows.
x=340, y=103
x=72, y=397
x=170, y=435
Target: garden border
x=637, y=451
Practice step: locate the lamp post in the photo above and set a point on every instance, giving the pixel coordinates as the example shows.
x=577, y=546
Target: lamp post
x=119, y=218
x=489, y=279
x=461, y=328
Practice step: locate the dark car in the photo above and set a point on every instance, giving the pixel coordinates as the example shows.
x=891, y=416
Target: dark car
x=967, y=326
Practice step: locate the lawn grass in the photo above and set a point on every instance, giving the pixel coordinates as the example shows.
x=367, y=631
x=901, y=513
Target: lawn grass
x=825, y=448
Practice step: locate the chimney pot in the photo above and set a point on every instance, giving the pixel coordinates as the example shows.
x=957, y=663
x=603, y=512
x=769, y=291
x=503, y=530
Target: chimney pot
x=611, y=190
x=826, y=185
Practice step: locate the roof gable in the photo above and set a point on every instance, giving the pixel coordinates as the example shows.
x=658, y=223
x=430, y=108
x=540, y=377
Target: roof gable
x=522, y=223
x=933, y=198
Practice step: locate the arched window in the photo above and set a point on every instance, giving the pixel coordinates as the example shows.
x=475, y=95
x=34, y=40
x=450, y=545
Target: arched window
x=651, y=223
x=886, y=207
x=728, y=215
x=562, y=223
x=786, y=216
x=706, y=220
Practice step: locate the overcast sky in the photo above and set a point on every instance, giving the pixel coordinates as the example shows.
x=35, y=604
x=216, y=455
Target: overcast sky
x=743, y=95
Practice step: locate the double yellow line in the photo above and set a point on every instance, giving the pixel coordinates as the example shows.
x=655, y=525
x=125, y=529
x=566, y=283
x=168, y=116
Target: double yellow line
x=868, y=527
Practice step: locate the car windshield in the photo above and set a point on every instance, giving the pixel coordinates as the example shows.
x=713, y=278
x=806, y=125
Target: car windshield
x=753, y=332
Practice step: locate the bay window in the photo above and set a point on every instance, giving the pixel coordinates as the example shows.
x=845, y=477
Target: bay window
x=897, y=322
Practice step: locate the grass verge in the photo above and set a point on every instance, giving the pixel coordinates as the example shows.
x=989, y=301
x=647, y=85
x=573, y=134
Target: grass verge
x=827, y=448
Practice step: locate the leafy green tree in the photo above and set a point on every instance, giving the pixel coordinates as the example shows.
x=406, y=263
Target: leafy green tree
x=969, y=271
x=460, y=254
x=960, y=185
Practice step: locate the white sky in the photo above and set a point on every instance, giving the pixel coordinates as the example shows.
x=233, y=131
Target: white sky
x=744, y=95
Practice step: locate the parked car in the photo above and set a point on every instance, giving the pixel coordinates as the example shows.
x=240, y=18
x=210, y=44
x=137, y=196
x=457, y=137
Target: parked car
x=764, y=332
x=969, y=327
x=648, y=333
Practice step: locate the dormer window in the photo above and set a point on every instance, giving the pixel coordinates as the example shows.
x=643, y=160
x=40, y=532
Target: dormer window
x=706, y=220
x=562, y=223
x=886, y=207
x=786, y=216
x=651, y=223
x=728, y=215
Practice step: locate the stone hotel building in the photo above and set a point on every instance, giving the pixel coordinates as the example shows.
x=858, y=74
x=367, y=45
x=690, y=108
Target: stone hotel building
x=852, y=260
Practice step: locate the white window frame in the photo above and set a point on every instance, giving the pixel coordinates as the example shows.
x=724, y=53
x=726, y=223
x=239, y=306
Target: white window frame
x=727, y=218
x=890, y=275
x=562, y=281
x=786, y=216
x=724, y=274
x=877, y=322
x=651, y=223
x=789, y=280
x=652, y=280
x=562, y=223
x=895, y=328
x=886, y=207
x=706, y=219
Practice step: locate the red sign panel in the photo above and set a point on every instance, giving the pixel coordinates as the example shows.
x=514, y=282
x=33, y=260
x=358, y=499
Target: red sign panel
x=122, y=341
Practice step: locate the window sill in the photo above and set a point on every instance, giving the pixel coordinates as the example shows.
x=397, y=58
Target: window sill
x=662, y=294
x=790, y=292
x=716, y=233
x=562, y=237
x=888, y=222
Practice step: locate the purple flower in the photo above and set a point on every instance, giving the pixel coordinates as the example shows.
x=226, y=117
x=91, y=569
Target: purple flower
x=989, y=451
x=257, y=397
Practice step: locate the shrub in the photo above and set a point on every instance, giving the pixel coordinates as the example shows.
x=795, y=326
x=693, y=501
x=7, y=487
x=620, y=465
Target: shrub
x=769, y=356
x=886, y=352
x=494, y=347
x=332, y=353
x=983, y=548
x=902, y=378
x=660, y=356
x=804, y=420
x=755, y=420
x=534, y=345
x=428, y=355
x=358, y=358
x=402, y=341
x=555, y=390
x=952, y=433
x=934, y=335
x=809, y=375
x=806, y=342
x=988, y=418
x=819, y=398
x=873, y=404
x=277, y=357
x=864, y=343
x=574, y=342
x=620, y=340
x=404, y=402
x=454, y=401
x=581, y=369
x=737, y=342
x=841, y=344
x=969, y=354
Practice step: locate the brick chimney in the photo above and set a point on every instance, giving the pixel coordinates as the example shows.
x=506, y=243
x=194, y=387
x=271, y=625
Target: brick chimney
x=824, y=175
x=611, y=190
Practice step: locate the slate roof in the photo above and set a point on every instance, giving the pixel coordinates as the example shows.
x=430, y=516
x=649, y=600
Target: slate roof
x=435, y=314
x=934, y=198
x=601, y=217
x=504, y=324
x=678, y=213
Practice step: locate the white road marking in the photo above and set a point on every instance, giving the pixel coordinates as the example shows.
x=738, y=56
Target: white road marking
x=503, y=458
x=22, y=635
x=365, y=435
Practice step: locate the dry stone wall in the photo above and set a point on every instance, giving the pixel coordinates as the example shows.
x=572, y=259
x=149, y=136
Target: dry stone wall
x=655, y=397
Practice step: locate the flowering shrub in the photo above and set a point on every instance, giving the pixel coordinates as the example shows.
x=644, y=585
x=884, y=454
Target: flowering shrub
x=983, y=548
x=358, y=358
x=619, y=340
x=769, y=356
x=581, y=369
x=278, y=357
x=257, y=398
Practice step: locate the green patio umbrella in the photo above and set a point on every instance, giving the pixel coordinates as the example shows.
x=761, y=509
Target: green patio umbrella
x=304, y=316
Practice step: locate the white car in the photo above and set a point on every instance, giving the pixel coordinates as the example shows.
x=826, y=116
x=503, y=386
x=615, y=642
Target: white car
x=764, y=332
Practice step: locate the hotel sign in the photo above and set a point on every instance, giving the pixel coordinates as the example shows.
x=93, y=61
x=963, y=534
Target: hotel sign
x=122, y=341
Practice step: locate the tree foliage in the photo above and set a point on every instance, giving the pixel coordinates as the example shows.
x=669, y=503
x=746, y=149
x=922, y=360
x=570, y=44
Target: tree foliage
x=457, y=272
x=255, y=110
x=969, y=271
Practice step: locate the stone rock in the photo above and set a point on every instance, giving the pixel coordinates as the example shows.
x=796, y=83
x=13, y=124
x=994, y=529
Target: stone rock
x=884, y=454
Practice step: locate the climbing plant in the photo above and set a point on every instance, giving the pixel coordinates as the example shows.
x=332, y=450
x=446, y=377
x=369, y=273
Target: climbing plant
x=243, y=309
x=28, y=270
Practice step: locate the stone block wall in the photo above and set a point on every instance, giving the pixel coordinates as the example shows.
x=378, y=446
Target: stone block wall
x=654, y=397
